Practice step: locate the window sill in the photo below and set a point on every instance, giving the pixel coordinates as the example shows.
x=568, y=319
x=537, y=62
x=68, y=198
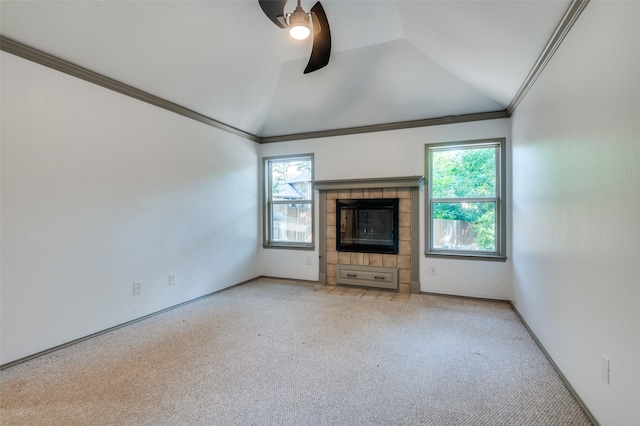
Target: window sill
x=289, y=246
x=467, y=256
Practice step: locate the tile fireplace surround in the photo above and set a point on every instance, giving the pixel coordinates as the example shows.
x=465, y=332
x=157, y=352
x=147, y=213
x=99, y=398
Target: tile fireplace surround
x=406, y=261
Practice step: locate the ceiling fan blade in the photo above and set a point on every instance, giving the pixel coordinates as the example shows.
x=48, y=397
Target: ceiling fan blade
x=321, y=49
x=274, y=9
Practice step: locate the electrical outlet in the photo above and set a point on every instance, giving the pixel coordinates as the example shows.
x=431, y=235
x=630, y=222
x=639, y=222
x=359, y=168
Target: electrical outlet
x=604, y=368
x=432, y=270
x=137, y=287
x=308, y=261
x=172, y=279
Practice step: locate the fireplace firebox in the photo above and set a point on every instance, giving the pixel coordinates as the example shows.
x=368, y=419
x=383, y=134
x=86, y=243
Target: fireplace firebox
x=367, y=225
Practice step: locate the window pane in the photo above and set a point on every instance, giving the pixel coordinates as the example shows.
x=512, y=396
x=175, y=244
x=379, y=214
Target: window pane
x=468, y=172
x=464, y=226
x=291, y=223
x=291, y=180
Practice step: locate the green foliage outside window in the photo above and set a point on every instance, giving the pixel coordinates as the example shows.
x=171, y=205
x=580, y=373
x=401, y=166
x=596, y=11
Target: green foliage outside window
x=467, y=173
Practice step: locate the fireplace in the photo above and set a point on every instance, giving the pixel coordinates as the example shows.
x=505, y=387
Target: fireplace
x=367, y=225
x=338, y=265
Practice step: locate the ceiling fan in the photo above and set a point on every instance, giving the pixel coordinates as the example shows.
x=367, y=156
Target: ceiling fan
x=300, y=24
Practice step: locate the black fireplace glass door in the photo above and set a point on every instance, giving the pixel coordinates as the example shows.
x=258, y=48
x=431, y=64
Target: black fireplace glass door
x=369, y=225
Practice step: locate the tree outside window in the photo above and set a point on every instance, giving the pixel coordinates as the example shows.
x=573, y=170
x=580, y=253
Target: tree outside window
x=465, y=200
x=289, y=201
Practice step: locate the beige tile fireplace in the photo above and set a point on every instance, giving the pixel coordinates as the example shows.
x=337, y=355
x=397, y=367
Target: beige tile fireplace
x=405, y=262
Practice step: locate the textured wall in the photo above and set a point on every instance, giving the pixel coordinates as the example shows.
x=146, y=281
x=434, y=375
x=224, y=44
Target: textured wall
x=100, y=190
x=576, y=203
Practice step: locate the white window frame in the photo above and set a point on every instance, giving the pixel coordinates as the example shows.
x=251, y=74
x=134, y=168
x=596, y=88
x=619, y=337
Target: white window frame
x=268, y=202
x=500, y=199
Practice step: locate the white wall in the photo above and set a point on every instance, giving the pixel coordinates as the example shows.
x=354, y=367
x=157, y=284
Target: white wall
x=100, y=190
x=576, y=208
x=393, y=154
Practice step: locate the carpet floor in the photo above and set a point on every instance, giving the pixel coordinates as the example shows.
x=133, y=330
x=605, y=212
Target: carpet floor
x=280, y=352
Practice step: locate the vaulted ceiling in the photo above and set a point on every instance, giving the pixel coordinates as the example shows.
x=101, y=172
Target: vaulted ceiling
x=391, y=61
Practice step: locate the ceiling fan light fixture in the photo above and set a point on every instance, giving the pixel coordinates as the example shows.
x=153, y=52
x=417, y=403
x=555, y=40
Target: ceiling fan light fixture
x=300, y=32
x=299, y=24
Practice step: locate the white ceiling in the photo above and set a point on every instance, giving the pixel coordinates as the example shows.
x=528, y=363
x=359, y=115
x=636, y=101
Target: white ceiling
x=391, y=61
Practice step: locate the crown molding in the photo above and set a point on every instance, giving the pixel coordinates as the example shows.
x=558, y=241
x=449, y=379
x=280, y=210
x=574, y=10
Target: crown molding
x=26, y=52
x=42, y=58
x=570, y=17
x=451, y=119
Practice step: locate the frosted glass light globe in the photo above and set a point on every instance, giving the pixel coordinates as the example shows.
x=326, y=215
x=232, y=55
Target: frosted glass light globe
x=299, y=32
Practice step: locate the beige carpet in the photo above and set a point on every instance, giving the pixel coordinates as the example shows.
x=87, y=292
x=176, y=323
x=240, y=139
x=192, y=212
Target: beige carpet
x=275, y=352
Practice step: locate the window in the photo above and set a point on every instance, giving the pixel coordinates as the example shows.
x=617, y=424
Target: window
x=466, y=199
x=288, y=206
